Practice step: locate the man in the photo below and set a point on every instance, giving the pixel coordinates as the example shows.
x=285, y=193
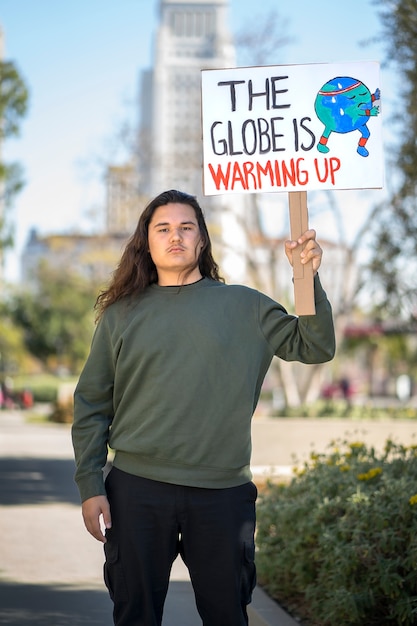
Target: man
x=171, y=383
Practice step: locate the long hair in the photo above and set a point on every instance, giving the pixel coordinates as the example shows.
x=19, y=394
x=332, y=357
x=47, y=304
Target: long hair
x=136, y=270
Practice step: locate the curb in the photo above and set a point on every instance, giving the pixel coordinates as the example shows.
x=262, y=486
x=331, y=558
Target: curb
x=263, y=611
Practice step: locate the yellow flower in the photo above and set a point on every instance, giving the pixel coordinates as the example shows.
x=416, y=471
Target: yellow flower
x=299, y=471
x=413, y=500
x=374, y=471
x=344, y=468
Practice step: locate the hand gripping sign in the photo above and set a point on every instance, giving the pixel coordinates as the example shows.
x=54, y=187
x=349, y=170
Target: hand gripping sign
x=292, y=128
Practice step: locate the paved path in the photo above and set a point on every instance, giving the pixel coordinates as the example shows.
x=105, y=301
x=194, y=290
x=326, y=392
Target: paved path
x=279, y=442
x=50, y=568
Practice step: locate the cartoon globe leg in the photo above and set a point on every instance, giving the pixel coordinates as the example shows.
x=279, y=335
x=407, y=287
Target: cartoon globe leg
x=363, y=141
x=322, y=144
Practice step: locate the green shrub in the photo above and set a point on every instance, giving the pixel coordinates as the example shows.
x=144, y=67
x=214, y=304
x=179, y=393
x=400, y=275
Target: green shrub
x=342, y=409
x=46, y=393
x=338, y=544
x=44, y=387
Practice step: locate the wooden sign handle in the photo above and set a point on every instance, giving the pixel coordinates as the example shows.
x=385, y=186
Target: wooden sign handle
x=303, y=274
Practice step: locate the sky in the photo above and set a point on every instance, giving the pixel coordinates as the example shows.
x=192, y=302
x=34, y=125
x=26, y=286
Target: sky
x=82, y=60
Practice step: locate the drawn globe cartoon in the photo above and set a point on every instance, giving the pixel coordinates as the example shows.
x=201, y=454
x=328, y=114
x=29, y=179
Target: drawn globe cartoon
x=345, y=104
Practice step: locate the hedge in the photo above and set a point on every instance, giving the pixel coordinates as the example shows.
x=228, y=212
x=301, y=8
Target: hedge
x=337, y=545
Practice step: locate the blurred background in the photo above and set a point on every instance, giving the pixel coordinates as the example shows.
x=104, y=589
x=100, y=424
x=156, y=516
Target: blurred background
x=100, y=111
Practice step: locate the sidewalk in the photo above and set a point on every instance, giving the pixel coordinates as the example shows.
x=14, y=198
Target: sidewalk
x=50, y=568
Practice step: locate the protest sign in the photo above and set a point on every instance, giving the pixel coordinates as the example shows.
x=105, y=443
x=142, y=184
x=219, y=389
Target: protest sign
x=292, y=128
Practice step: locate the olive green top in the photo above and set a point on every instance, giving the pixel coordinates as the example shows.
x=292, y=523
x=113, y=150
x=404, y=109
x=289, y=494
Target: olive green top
x=174, y=376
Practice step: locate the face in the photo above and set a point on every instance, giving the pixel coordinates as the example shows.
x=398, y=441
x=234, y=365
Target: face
x=175, y=242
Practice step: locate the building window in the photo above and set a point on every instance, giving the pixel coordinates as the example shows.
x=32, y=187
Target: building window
x=191, y=24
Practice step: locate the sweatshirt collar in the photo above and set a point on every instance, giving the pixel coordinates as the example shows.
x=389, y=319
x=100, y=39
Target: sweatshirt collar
x=178, y=288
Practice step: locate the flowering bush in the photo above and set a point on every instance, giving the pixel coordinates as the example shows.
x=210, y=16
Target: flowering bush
x=338, y=544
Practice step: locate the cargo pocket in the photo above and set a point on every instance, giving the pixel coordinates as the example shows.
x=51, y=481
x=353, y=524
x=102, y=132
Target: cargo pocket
x=113, y=571
x=249, y=572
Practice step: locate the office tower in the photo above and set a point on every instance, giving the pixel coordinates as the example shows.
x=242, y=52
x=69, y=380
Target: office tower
x=192, y=35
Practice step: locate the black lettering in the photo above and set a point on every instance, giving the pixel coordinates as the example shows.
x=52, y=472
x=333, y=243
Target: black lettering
x=275, y=92
x=309, y=132
x=252, y=94
x=231, y=84
x=295, y=125
x=232, y=150
x=264, y=138
x=220, y=142
x=245, y=125
x=276, y=135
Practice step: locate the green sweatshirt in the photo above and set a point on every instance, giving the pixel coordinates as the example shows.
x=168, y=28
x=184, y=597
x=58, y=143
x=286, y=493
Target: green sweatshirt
x=174, y=376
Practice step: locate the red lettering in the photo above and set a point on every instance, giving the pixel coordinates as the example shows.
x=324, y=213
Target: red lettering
x=330, y=168
x=219, y=177
x=252, y=175
x=321, y=178
x=288, y=174
x=238, y=177
x=248, y=167
x=277, y=174
x=264, y=171
x=302, y=175
x=334, y=166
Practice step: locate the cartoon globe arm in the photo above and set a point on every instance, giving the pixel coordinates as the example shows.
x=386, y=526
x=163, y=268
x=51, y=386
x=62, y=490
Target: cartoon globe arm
x=374, y=111
x=369, y=112
x=376, y=95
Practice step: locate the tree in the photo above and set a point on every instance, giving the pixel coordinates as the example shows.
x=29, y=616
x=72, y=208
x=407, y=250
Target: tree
x=13, y=353
x=258, y=43
x=57, y=318
x=393, y=241
x=13, y=106
x=394, y=263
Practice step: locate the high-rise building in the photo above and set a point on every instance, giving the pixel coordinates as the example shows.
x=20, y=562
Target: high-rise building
x=192, y=35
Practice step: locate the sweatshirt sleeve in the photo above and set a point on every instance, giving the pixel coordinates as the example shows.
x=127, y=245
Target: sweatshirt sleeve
x=93, y=414
x=309, y=339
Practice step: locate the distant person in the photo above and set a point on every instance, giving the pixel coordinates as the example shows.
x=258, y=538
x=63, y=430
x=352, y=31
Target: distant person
x=7, y=400
x=346, y=389
x=171, y=383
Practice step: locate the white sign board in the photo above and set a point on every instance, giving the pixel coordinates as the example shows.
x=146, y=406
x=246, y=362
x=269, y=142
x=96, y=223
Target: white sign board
x=292, y=128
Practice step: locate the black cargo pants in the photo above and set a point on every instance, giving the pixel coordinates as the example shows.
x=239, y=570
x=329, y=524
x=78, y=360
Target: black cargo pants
x=152, y=522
